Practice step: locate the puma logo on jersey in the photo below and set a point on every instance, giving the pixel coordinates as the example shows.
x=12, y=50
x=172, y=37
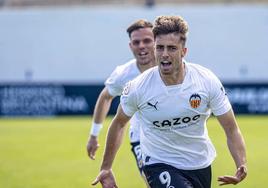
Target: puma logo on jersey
x=153, y=105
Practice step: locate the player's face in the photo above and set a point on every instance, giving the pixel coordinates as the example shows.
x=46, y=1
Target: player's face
x=169, y=52
x=142, y=45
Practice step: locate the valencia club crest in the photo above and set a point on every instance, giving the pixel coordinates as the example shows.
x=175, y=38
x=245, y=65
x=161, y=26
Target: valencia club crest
x=195, y=100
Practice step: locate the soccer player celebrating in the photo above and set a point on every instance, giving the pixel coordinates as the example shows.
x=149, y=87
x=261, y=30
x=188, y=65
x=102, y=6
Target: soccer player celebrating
x=174, y=101
x=142, y=45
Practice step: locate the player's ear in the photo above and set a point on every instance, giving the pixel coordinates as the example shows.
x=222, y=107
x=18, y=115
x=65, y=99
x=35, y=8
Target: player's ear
x=184, y=51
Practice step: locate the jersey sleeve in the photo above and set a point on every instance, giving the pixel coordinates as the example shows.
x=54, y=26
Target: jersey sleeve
x=219, y=102
x=113, y=83
x=128, y=99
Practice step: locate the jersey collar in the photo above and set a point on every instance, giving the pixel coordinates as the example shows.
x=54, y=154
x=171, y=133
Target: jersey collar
x=187, y=82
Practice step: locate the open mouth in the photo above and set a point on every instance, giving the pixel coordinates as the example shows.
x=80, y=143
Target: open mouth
x=165, y=63
x=143, y=54
x=166, y=66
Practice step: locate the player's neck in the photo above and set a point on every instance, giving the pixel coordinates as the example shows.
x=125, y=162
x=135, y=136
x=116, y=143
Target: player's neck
x=144, y=67
x=176, y=78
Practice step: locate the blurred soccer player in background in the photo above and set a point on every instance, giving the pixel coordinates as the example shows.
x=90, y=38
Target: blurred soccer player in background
x=142, y=46
x=174, y=101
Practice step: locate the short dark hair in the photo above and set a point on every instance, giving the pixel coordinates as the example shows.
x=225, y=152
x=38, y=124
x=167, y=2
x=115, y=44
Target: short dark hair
x=139, y=24
x=171, y=24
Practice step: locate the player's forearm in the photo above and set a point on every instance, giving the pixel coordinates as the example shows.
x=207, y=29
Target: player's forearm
x=102, y=107
x=113, y=142
x=235, y=139
x=101, y=111
x=237, y=147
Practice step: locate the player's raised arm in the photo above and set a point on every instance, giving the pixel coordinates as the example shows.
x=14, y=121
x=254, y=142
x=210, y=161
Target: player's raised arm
x=100, y=112
x=113, y=142
x=236, y=146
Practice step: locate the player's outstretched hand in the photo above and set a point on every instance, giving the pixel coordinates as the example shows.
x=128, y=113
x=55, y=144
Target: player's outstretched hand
x=241, y=174
x=92, y=147
x=106, y=178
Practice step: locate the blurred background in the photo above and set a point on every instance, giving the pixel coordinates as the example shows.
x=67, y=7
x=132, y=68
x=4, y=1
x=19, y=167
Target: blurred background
x=56, y=54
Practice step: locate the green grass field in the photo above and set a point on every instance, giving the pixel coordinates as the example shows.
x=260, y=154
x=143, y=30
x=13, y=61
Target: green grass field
x=51, y=153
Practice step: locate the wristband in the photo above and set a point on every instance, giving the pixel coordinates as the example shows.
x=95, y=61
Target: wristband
x=95, y=129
